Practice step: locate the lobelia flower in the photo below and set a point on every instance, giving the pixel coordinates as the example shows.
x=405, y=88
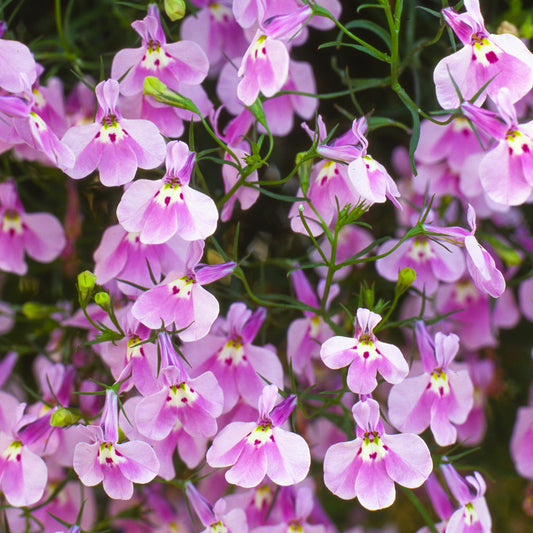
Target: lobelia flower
x=433, y=261
x=174, y=64
x=23, y=474
x=228, y=352
x=122, y=255
x=439, y=397
x=522, y=439
x=180, y=298
x=256, y=449
x=305, y=335
x=40, y=235
x=504, y=59
x=182, y=66
x=264, y=68
x=191, y=403
x=368, y=466
x=365, y=355
x=440, y=502
x=159, y=209
x=217, y=518
x=118, y=466
x=114, y=145
x=17, y=65
x=506, y=170
x=473, y=516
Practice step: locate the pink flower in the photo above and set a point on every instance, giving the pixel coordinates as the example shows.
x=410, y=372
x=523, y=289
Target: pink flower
x=159, y=209
x=368, y=466
x=439, y=397
x=180, y=298
x=365, y=355
x=254, y=450
x=264, y=68
x=174, y=64
x=117, y=465
x=504, y=58
x=116, y=146
x=40, y=235
x=228, y=351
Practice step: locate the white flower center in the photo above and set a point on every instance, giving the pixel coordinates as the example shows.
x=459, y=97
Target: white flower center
x=438, y=383
x=470, y=514
x=328, y=171
x=111, y=131
x=421, y=251
x=367, y=349
x=220, y=12
x=232, y=353
x=259, y=436
x=13, y=451
x=219, y=527
x=169, y=194
x=181, y=395
x=134, y=349
x=155, y=58
x=518, y=143
x=108, y=455
x=484, y=51
x=373, y=449
x=182, y=287
x=12, y=223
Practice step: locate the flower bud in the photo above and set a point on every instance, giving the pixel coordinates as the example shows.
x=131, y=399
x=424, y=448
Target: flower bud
x=406, y=278
x=86, y=283
x=153, y=86
x=35, y=310
x=175, y=9
x=102, y=299
x=63, y=417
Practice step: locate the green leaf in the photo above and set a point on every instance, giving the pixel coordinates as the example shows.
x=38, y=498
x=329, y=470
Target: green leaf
x=372, y=27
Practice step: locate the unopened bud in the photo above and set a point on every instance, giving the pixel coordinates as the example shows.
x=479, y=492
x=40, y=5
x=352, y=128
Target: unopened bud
x=175, y=9
x=102, y=299
x=35, y=310
x=63, y=417
x=154, y=87
x=406, y=277
x=86, y=283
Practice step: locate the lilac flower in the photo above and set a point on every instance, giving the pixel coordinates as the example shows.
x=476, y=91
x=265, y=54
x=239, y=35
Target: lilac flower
x=122, y=255
x=174, y=64
x=254, y=450
x=368, y=466
x=116, y=146
x=237, y=364
x=439, y=397
x=40, y=235
x=264, y=68
x=17, y=65
x=193, y=404
x=23, y=474
x=217, y=518
x=432, y=261
x=473, y=516
x=365, y=355
x=159, y=209
x=180, y=298
x=117, y=465
x=506, y=170
x=503, y=58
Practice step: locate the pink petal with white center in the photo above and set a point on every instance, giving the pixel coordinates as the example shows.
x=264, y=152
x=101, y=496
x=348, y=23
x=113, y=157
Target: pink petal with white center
x=190, y=62
x=86, y=464
x=342, y=464
x=456, y=65
x=44, y=239
x=149, y=146
x=443, y=431
x=118, y=163
x=141, y=465
x=338, y=351
x=250, y=468
x=361, y=377
x=228, y=444
x=288, y=457
x=392, y=365
x=17, y=65
x=409, y=405
x=408, y=461
x=502, y=177
x=80, y=139
x=134, y=202
x=115, y=484
x=374, y=488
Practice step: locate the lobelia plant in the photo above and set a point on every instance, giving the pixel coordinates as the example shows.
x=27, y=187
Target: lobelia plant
x=152, y=395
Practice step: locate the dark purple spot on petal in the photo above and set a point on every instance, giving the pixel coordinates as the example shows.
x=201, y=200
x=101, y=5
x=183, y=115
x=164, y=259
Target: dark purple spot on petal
x=175, y=290
x=366, y=355
x=264, y=51
x=97, y=135
x=112, y=137
x=181, y=196
x=257, y=442
x=184, y=400
x=491, y=57
x=373, y=455
x=108, y=460
x=511, y=151
x=167, y=200
x=11, y=232
x=156, y=62
x=525, y=148
x=441, y=391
